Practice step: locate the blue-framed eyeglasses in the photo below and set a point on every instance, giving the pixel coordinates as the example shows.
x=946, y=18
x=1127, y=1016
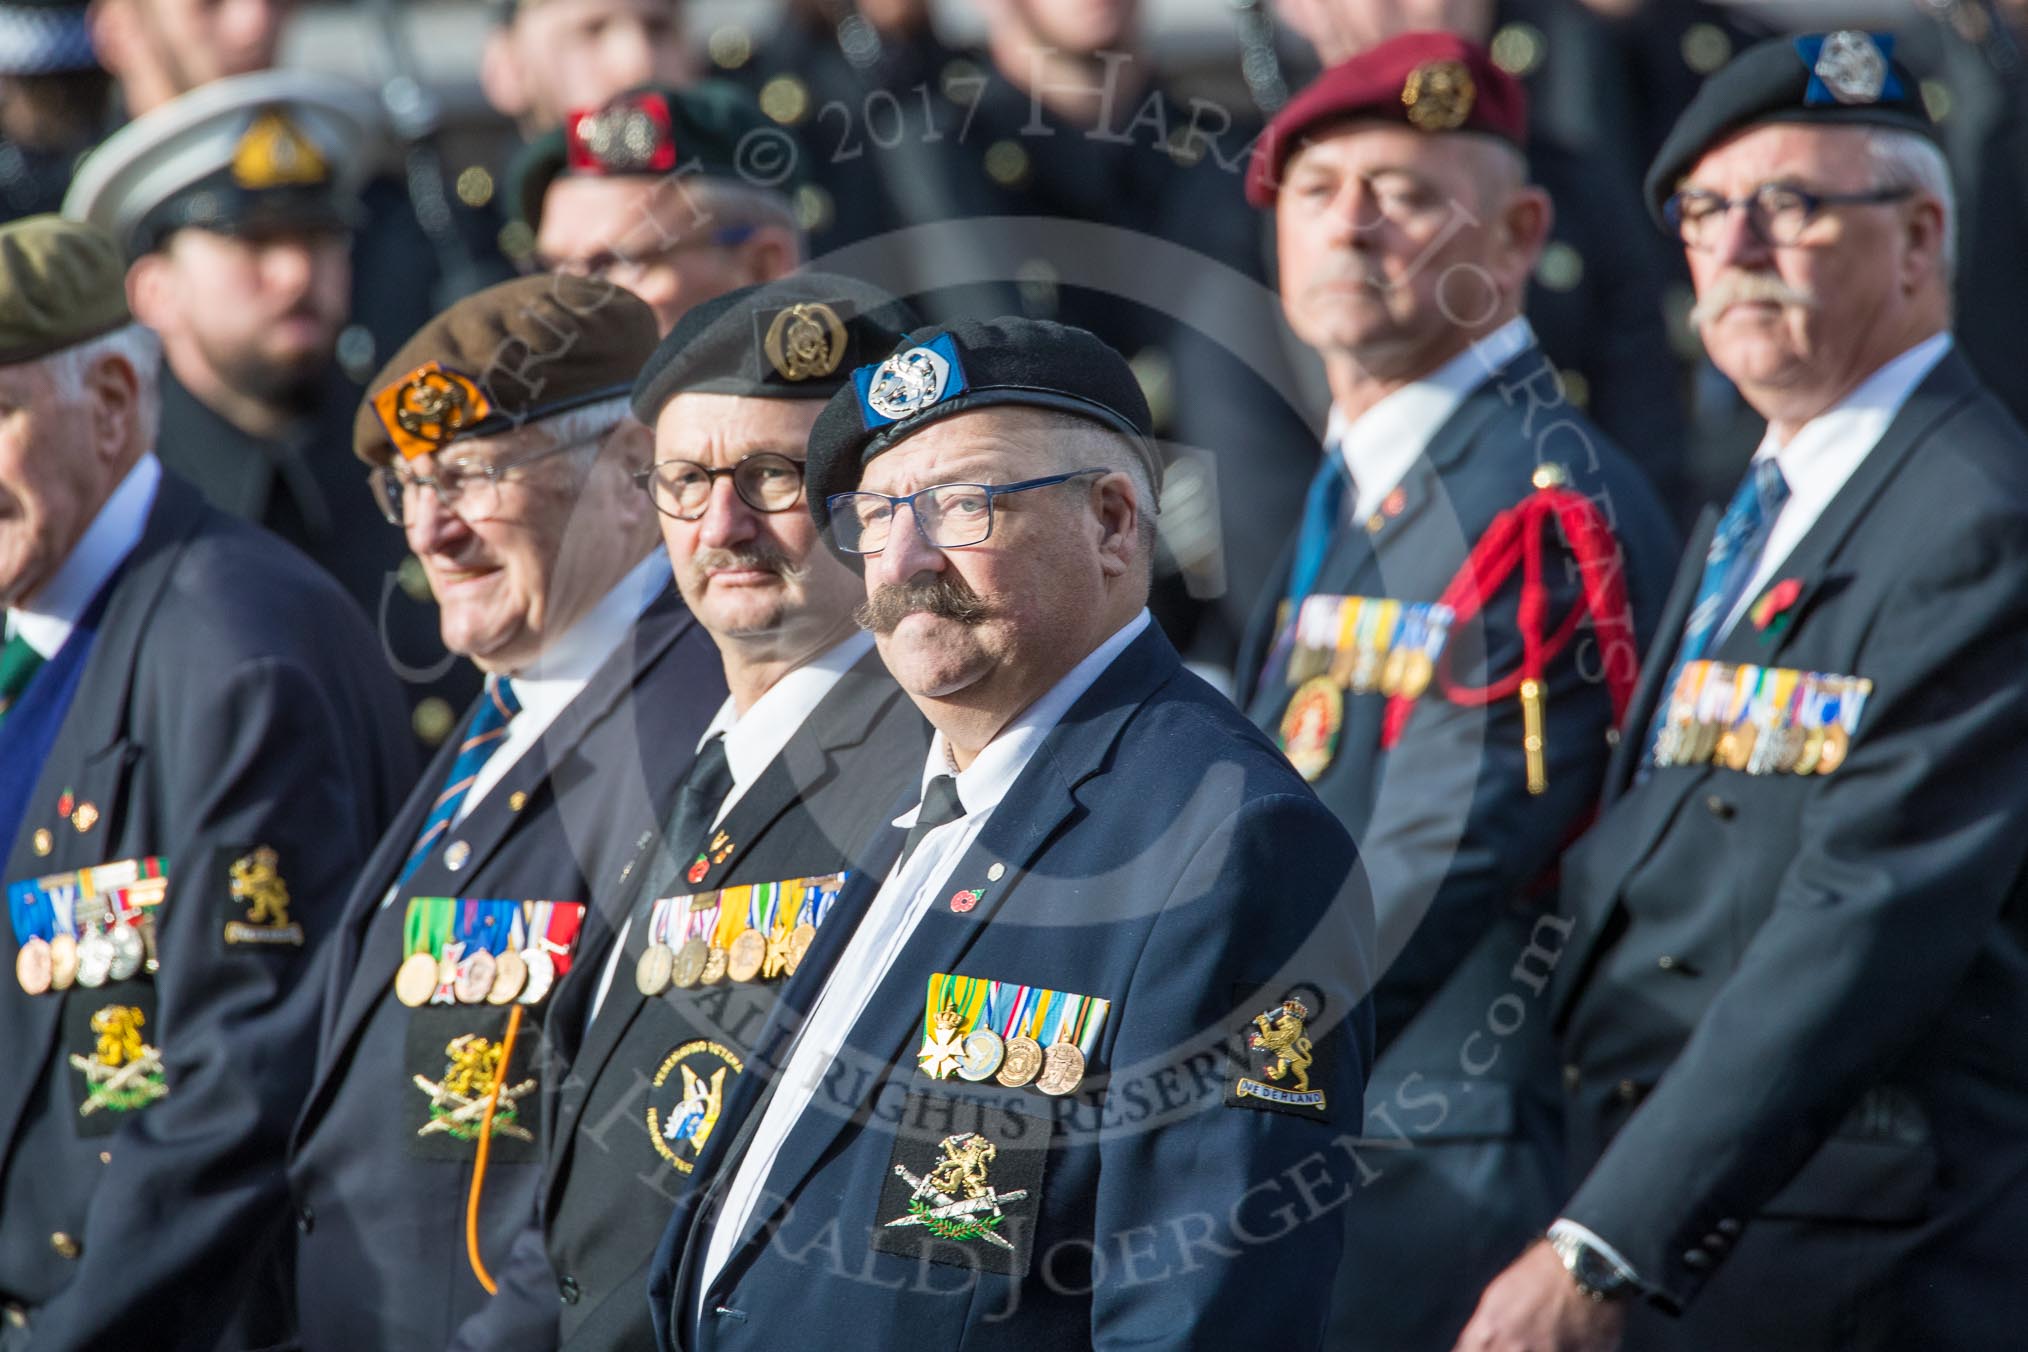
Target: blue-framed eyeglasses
x=1777, y=213
x=947, y=516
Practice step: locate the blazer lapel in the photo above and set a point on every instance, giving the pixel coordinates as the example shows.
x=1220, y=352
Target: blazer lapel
x=1661, y=657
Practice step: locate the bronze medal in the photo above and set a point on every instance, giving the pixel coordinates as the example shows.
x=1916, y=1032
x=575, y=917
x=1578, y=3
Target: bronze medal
x=1706, y=744
x=743, y=960
x=475, y=978
x=541, y=975
x=714, y=967
x=1062, y=1069
x=983, y=1052
x=62, y=962
x=1393, y=671
x=510, y=974
x=1813, y=747
x=651, y=973
x=416, y=981
x=1836, y=743
x=128, y=952
x=1021, y=1060
x=688, y=968
x=800, y=940
x=1416, y=674
x=31, y=965
x=1736, y=748
x=1310, y=726
x=1789, y=750
x=94, y=960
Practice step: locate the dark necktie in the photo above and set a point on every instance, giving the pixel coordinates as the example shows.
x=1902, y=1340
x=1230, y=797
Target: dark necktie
x=1323, y=508
x=18, y=664
x=940, y=807
x=704, y=788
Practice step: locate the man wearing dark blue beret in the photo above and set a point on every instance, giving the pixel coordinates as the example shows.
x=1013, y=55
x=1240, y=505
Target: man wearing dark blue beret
x=1086, y=1071
x=1793, y=999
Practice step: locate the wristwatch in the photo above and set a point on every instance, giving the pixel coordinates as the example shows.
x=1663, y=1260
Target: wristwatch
x=1597, y=1276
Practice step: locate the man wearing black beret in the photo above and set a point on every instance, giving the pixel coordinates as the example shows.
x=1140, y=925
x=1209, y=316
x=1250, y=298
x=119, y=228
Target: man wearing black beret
x=787, y=804
x=1082, y=1073
x=1793, y=998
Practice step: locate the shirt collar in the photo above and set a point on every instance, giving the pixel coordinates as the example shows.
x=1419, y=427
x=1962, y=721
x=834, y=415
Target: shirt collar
x=983, y=783
x=1821, y=455
x=564, y=666
x=47, y=621
x=754, y=739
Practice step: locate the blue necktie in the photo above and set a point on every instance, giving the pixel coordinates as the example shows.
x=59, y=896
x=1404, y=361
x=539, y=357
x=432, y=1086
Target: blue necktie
x=1323, y=507
x=488, y=729
x=1728, y=565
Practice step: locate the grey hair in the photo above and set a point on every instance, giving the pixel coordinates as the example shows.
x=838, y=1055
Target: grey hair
x=1904, y=159
x=587, y=421
x=717, y=203
x=131, y=343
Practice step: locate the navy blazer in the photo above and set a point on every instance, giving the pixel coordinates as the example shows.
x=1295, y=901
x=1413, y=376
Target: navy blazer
x=233, y=701
x=1794, y=1006
x=1459, y=855
x=380, y=1217
x=1155, y=852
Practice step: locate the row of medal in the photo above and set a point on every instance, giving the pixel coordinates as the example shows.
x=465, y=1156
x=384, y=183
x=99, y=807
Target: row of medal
x=463, y=951
x=87, y=927
x=760, y=930
x=1012, y=1034
x=1370, y=645
x=1760, y=720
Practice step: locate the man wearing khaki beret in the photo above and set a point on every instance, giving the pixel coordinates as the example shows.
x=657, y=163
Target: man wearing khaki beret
x=503, y=448
x=198, y=742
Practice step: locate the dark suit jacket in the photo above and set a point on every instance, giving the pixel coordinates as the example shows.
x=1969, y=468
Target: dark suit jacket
x=1155, y=852
x=1458, y=853
x=1794, y=1006
x=819, y=803
x=233, y=700
x=381, y=1254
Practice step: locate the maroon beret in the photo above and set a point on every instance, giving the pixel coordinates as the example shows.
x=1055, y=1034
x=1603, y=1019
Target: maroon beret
x=1431, y=81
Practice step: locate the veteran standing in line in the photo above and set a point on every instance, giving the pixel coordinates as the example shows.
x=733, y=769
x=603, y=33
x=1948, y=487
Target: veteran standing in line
x=1793, y=1003
x=1064, y=1074
x=787, y=802
x=502, y=446
x=197, y=746
x=656, y=190
x=1450, y=707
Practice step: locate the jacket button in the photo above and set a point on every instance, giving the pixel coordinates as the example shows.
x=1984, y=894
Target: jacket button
x=1666, y=963
x=1719, y=808
x=1728, y=1227
x=1697, y=1259
x=65, y=1246
x=1626, y=1091
x=569, y=1290
x=306, y=1219
x=1571, y=1078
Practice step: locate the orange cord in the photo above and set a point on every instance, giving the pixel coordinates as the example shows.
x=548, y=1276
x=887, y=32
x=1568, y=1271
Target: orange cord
x=485, y=1142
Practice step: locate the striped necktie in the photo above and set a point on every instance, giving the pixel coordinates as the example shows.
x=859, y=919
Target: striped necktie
x=482, y=738
x=1729, y=564
x=18, y=664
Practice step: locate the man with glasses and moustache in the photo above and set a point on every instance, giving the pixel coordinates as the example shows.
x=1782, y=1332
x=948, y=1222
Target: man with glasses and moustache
x=502, y=446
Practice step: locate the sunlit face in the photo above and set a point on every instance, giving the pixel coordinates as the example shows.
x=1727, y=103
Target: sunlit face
x=1385, y=247
x=1783, y=322
x=565, y=531
x=1039, y=579
x=49, y=488
x=645, y=235
x=263, y=312
x=749, y=574
x=581, y=53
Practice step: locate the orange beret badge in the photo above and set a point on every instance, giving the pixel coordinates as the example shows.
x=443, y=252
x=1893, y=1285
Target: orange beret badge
x=429, y=407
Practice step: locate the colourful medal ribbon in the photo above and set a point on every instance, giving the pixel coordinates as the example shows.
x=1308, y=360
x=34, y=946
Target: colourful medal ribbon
x=561, y=932
x=1440, y=618
x=1387, y=627
x=1022, y=1008
x=699, y=917
x=498, y=925
x=1050, y=1016
x=29, y=908
x=999, y=995
x=732, y=915
x=517, y=922
x=62, y=896
x=933, y=1002
x=1857, y=688
x=968, y=995
x=1091, y=1023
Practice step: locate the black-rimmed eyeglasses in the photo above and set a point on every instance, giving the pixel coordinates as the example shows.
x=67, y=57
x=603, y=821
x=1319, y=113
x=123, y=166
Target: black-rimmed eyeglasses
x=764, y=481
x=947, y=516
x=469, y=489
x=1777, y=213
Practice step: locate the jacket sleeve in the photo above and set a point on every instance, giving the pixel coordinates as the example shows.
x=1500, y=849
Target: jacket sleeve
x=1905, y=860
x=1223, y=1200
x=191, y=1202
x=522, y=1315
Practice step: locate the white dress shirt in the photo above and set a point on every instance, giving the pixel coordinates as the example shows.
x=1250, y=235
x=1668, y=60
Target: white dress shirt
x=1382, y=444
x=753, y=740
x=47, y=619
x=890, y=921
x=1826, y=450
x=564, y=667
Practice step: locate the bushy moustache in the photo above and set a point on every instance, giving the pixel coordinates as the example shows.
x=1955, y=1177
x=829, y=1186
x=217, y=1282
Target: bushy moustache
x=1737, y=288
x=947, y=598
x=758, y=557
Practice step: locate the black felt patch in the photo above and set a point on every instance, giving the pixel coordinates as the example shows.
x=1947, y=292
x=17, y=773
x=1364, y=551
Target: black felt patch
x=966, y=1198
x=1275, y=1063
x=112, y=1053
x=451, y=1055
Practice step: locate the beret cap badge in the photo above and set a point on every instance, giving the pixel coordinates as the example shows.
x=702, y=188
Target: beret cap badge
x=274, y=153
x=909, y=382
x=1848, y=66
x=626, y=136
x=1438, y=95
x=429, y=407
x=805, y=341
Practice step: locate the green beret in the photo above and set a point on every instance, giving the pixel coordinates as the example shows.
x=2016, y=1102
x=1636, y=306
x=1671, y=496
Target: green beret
x=61, y=283
x=798, y=337
x=512, y=354
x=714, y=130
x=1841, y=79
